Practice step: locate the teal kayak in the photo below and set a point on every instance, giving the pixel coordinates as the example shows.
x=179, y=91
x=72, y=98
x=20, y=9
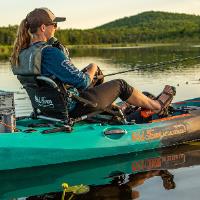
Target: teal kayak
x=31, y=145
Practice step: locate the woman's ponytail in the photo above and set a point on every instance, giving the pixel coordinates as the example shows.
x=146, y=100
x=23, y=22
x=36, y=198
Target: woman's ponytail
x=22, y=41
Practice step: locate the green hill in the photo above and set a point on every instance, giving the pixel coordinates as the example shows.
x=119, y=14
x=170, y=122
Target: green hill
x=154, y=26
x=155, y=21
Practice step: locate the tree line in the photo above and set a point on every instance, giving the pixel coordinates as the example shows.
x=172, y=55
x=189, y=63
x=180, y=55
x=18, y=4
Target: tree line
x=112, y=36
x=142, y=28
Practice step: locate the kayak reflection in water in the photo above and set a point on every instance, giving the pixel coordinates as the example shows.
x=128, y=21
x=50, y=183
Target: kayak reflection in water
x=121, y=187
x=33, y=56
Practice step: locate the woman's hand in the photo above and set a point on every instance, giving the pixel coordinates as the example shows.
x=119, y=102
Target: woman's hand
x=94, y=73
x=91, y=69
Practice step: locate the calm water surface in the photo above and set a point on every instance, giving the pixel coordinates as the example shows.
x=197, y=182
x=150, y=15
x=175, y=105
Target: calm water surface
x=117, y=178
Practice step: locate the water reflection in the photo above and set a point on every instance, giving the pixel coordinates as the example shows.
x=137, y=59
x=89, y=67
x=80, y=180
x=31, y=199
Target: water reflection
x=133, y=56
x=122, y=187
x=122, y=177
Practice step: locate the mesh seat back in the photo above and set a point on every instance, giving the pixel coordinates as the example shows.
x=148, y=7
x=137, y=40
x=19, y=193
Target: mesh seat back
x=45, y=98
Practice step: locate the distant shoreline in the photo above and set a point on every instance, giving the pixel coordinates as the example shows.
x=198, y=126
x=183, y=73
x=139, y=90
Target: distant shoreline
x=116, y=46
x=6, y=50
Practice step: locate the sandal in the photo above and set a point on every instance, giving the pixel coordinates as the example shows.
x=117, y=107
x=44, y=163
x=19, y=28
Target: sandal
x=165, y=98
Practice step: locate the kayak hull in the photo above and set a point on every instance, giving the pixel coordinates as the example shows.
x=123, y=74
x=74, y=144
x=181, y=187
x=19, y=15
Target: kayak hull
x=30, y=147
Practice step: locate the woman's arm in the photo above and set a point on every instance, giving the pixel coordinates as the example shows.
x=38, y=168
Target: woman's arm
x=55, y=62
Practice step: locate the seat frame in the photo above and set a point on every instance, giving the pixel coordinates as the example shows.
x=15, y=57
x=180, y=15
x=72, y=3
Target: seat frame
x=62, y=90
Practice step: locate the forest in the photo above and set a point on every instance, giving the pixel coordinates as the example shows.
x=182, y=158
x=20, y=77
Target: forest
x=145, y=27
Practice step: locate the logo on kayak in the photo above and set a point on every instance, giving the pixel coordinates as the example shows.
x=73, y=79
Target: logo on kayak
x=43, y=102
x=158, y=133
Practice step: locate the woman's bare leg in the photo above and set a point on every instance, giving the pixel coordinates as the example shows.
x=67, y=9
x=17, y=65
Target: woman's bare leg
x=165, y=98
x=139, y=99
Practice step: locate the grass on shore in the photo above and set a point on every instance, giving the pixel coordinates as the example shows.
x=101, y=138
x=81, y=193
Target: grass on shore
x=5, y=52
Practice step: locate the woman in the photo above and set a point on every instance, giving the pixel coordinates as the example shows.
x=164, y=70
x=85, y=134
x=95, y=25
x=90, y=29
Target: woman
x=32, y=55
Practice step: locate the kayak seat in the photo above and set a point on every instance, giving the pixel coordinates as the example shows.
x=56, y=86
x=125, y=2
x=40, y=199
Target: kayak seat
x=49, y=97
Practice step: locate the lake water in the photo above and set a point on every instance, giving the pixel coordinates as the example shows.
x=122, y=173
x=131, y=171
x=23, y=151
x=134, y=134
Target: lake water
x=117, y=178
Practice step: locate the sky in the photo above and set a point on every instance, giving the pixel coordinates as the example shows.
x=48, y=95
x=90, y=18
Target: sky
x=83, y=14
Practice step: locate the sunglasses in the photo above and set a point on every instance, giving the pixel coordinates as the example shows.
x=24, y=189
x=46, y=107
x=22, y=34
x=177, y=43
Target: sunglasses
x=54, y=24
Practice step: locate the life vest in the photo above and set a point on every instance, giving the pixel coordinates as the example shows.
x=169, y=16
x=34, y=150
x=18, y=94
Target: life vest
x=30, y=60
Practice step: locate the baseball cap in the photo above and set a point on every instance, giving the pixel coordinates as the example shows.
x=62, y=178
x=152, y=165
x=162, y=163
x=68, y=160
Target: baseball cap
x=40, y=16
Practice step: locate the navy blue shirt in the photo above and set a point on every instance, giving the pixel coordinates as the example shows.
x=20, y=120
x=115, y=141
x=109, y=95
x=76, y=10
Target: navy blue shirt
x=55, y=62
